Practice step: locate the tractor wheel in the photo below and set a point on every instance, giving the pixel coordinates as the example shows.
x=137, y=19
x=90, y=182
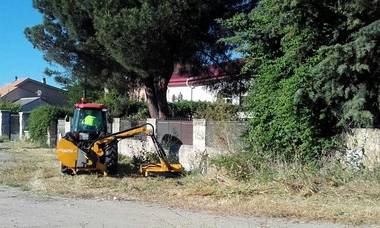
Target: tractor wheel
x=65, y=170
x=111, y=159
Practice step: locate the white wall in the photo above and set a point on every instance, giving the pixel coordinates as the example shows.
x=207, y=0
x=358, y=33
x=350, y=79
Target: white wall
x=197, y=93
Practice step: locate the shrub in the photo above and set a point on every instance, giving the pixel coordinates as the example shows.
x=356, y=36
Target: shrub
x=218, y=110
x=186, y=109
x=122, y=106
x=5, y=105
x=40, y=119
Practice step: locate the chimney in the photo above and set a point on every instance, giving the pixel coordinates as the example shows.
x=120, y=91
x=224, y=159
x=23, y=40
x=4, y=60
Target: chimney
x=44, y=80
x=16, y=78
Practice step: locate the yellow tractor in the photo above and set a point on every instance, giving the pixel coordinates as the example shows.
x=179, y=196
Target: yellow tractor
x=87, y=147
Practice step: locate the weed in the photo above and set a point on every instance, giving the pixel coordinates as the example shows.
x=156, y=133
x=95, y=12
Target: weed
x=329, y=192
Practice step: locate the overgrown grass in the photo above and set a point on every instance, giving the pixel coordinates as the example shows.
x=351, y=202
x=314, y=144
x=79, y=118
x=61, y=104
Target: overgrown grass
x=332, y=193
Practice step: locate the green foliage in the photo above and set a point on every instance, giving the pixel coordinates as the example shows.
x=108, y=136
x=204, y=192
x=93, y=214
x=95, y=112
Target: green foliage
x=186, y=109
x=76, y=91
x=313, y=66
x=218, y=110
x=8, y=106
x=331, y=171
x=122, y=106
x=39, y=121
x=117, y=43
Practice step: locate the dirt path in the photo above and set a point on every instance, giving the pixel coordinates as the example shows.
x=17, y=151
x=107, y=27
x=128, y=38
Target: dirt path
x=31, y=209
x=25, y=209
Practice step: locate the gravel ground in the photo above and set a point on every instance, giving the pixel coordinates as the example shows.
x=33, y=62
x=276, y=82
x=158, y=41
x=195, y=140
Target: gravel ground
x=25, y=209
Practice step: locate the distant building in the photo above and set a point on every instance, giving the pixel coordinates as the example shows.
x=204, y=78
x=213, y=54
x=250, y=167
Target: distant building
x=197, y=85
x=30, y=94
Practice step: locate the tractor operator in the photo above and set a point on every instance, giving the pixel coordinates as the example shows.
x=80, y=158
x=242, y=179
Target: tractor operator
x=90, y=122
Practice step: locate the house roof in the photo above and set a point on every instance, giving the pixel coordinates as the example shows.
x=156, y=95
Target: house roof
x=184, y=76
x=26, y=100
x=11, y=86
x=15, y=84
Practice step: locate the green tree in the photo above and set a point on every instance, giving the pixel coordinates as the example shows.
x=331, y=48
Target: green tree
x=314, y=67
x=131, y=43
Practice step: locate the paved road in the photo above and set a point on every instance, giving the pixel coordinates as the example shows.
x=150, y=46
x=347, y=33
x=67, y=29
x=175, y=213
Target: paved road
x=25, y=209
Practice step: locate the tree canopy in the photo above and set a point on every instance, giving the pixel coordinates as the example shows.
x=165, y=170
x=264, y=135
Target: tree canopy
x=120, y=43
x=315, y=72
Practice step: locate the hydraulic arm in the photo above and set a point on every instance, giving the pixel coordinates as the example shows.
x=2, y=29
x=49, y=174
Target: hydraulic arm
x=99, y=154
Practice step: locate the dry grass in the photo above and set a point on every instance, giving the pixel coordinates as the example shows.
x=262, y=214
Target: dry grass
x=358, y=202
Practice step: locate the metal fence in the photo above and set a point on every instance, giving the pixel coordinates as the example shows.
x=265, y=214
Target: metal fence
x=15, y=126
x=225, y=135
x=179, y=130
x=127, y=123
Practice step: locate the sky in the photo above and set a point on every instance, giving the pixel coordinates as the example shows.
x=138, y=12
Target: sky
x=17, y=55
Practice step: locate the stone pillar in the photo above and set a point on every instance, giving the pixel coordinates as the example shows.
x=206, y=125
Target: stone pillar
x=5, y=124
x=115, y=125
x=22, y=124
x=192, y=159
x=61, y=128
x=154, y=123
x=199, y=134
x=150, y=145
x=67, y=126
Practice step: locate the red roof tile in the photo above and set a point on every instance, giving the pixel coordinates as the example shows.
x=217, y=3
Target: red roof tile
x=11, y=86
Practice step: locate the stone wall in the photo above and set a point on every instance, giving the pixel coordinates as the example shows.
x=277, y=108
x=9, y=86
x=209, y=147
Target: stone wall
x=363, y=147
x=209, y=139
x=192, y=157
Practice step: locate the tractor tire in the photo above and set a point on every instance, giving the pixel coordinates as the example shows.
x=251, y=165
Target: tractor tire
x=111, y=159
x=65, y=170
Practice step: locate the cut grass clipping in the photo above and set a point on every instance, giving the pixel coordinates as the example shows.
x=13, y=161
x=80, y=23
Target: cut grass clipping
x=294, y=194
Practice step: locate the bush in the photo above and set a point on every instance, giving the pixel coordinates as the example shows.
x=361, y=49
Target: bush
x=122, y=106
x=5, y=105
x=186, y=109
x=328, y=171
x=40, y=119
x=218, y=110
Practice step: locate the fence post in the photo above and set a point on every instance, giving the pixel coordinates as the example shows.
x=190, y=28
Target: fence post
x=22, y=124
x=115, y=125
x=195, y=159
x=5, y=120
x=67, y=125
x=199, y=134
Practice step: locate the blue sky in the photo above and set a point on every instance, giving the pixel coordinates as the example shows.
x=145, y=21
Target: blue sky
x=17, y=55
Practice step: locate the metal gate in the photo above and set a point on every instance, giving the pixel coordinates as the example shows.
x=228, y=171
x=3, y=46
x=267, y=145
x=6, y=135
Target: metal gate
x=15, y=126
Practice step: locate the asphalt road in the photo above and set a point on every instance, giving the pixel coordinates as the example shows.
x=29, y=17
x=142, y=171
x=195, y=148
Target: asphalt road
x=25, y=209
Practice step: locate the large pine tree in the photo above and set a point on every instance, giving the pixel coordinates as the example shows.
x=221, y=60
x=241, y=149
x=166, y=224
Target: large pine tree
x=131, y=42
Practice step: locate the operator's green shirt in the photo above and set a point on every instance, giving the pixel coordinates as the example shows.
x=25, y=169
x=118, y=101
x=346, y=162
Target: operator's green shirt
x=90, y=121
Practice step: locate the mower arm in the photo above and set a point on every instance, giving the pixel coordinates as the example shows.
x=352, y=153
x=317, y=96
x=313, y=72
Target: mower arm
x=96, y=146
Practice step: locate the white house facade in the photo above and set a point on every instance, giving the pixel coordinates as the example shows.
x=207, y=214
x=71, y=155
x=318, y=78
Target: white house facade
x=189, y=86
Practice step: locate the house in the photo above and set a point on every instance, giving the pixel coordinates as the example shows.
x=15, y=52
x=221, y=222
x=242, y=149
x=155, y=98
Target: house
x=187, y=83
x=201, y=85
x=29, y=93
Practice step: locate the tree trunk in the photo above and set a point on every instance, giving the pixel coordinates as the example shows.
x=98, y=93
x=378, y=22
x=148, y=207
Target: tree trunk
x=151, y=99
x=162, y=103
x=155, y=91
